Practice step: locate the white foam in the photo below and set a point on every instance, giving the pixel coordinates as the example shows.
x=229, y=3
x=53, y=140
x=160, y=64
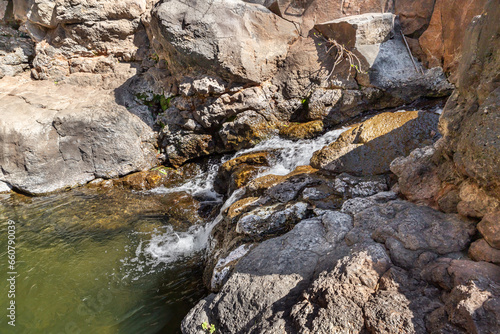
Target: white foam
x=169, y=246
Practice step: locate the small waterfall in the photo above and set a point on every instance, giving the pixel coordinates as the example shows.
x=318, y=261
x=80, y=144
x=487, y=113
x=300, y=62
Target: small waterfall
x=170, y=246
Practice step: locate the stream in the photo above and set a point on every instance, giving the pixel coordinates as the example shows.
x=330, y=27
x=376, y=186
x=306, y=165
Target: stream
x=112, y=261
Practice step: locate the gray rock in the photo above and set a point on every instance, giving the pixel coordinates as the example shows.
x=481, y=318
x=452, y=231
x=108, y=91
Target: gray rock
x=76, y=135
x=268, y=220
x=234, y=39
x=408, y=230
x=351, y=186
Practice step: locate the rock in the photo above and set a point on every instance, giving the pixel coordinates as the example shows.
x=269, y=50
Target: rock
x=86, y=135
x=357, y=150
x=481, y=251
x=248, y=129
x=336, y=300
x=237, y=172
x=418, y=176
x=351, y=186
x=182, y=146
x=358, y=204
x=268, y=220
x=467, y=159
x=414, y=16
x=478, y=145
x=379, y=51
x=205, y=38
x=408, y=230
x=73, y=36
x=441, y=42
x=16, y=52
x=475, y=202
x=302, y=130
x=389, y=312
x=225, y=265
x=489, y=227
x=4, y=188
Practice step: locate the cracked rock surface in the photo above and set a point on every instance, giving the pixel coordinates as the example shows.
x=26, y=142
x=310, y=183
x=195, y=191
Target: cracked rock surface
x=57, y=136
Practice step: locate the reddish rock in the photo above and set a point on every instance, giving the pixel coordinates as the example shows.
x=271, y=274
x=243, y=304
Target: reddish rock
x=442, y=41
x=490, y=229
x=482, y=251
x=414, y=15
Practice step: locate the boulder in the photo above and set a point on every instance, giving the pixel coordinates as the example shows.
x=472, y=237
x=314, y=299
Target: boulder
x=370, y=147
x=76, y=135
x=480, y=250
x=233, y=39
x=489, y=227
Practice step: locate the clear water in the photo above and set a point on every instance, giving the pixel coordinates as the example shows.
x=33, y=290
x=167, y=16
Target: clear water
x=94, y=261
x=79, y=270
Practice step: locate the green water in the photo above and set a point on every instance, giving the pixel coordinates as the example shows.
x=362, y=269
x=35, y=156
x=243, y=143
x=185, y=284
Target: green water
x=81, y=265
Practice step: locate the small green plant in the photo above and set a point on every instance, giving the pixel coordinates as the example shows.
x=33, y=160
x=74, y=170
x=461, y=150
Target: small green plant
x=209, y=328
x=154, y=57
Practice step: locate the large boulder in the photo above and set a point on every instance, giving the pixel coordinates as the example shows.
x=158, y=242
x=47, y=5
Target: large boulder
x=233, y=39
x=58, y=136
x=368, y=148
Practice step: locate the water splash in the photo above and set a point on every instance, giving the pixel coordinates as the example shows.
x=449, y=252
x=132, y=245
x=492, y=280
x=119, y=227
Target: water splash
x=170, y=246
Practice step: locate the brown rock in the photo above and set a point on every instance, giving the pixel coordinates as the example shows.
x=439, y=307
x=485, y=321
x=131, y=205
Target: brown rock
x=449, y=199
x=490, y=229
x=237, y=172
x=462, y=271
x=481, y=251
x=302, y=130
x=475, y=201
x=417, y=175
x=442, y=41
x=414, y=15
x=371, y=146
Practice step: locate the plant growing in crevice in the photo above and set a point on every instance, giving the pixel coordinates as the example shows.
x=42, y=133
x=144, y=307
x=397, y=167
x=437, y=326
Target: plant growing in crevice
x=208, y=328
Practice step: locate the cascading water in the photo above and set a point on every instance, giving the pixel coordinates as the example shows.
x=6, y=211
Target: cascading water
x=170, y=246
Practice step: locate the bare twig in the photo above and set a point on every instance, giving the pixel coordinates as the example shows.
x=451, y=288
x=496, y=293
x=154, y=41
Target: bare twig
x=409, y=53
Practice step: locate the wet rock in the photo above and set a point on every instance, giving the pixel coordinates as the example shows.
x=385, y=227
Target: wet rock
x=182, y=146
x=302, y=130
x=248, y=129
x=86, y=135
x=359, y=150
x=481, y=251
x=489, y=227
x=237, y=172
